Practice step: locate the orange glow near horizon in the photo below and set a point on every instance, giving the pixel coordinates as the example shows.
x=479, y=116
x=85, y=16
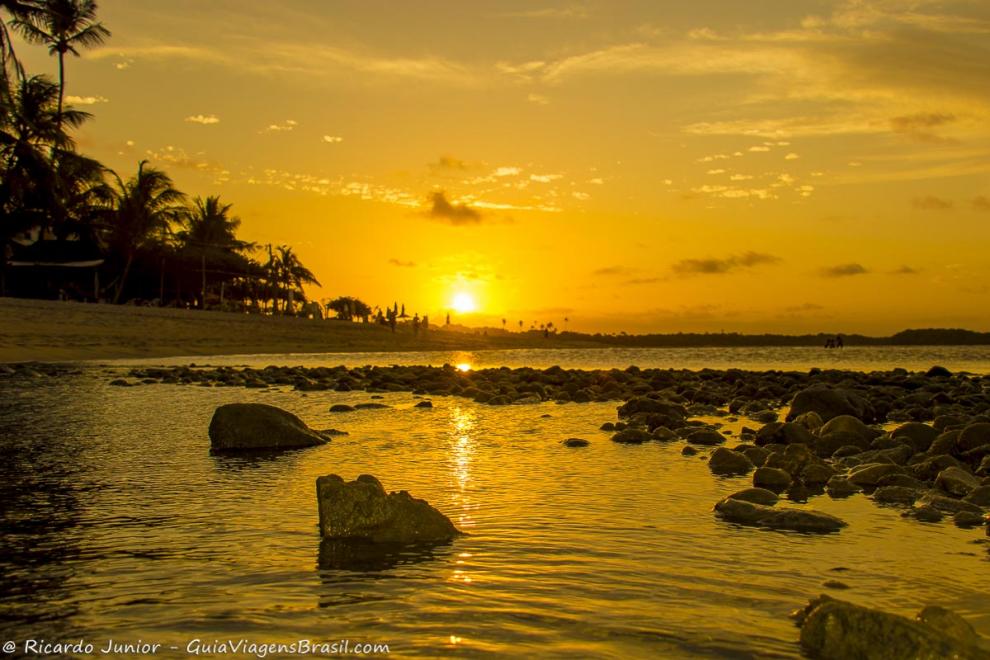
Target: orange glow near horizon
x=784, y=167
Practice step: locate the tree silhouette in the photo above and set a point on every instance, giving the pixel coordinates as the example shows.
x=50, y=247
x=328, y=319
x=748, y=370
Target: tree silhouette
x=62, y=25
x=145, y=207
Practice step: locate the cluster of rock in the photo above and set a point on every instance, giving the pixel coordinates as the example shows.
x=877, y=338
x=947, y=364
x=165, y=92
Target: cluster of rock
x=839, y=630
x=22, y=371
x=933, y=470
x=895, y=395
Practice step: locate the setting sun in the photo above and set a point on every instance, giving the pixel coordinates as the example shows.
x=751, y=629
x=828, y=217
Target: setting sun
x=463, y=303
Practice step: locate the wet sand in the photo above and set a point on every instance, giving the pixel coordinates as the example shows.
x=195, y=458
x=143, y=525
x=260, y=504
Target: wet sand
x=52, y=331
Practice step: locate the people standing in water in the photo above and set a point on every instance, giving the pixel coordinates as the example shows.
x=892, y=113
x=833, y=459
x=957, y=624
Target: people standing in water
x=834, y=343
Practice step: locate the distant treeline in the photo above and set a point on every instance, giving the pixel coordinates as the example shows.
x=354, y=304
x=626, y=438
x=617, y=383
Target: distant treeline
x=925, y=337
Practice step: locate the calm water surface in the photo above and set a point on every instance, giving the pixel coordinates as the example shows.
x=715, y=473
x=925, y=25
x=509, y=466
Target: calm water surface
x=118, y=523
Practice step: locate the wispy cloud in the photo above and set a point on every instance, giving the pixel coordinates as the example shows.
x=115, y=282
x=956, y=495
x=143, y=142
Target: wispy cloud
x=609, y=271
x=931, y=203
x=713, y=266
x=284, y=127
x=332, y=139
x=456, y=214
x=981, y=203
x=572, y=12
x=85, y=100
x=844, y=270
x=905, y=270
x=206, y=120
x=402, y=264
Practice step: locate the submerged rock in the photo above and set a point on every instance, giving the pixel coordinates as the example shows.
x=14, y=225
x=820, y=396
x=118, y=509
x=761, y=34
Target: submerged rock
x=757, y=515
x=341, y=407
x=361, y=509
x=837, y=629
x=632, y=437
x=257, y=426
x=575, y=442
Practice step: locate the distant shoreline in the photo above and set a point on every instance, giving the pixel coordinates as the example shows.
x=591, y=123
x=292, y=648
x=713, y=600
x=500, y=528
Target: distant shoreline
x=52, y=331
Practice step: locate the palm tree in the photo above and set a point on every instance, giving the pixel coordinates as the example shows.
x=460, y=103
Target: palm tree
x=30, y=134
x=291, y=273
x=18, y=9
x=62, y=25
x=209, y=231
x=145, y=208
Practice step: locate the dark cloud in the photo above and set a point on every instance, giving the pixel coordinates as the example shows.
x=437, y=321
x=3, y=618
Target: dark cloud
x=720, y=266
x=931, y=203
x=611, y=270
x=643, y=280
x=905, y=270
x=448, y=163
x=455, y=214
x=981, y=203
x=844, y=270
x=402, y=264
x=919, y=126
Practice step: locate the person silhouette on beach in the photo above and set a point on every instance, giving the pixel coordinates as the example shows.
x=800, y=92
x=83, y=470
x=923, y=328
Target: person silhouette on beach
x=838, y=342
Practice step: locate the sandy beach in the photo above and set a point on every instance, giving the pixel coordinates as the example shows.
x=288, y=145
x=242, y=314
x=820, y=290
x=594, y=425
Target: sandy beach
x=53, y=331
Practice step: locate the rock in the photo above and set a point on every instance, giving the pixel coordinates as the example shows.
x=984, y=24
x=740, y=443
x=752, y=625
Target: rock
x=851, y=425
x=632, y=437
x=948, y=504
x=726, y=461
x=895, y=495
x=925, y=513
x=984, y=469
x=756, y=496
x=938, y=372
x=950, y=623
x=869, y=475
x=974, y=436
x=361, y=509
x=929, y=468
x=834, y=584
x=784, y=433
x=368, y=406
x=688, y=450
x=838, y=487
x=758, y=515
x=830, y=444
x=966, y=519
x=329, y=433
x=830, y=403
x=528, y=400
x=341, y=408
x=837, y=629
x=816, y=475
x=575, y=442
x=424, y=404
x=117, y=382
x=956, y=481
x=980, y=496
x=770, y=478
x=810, y=420
x=607, y=426
x=663, y=434
x=705, y=437
x=756, y=455
x=257, y=426
x=917, y=435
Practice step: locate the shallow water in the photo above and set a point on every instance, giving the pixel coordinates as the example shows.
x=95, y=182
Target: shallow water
x=118, y=523
x=974, y=359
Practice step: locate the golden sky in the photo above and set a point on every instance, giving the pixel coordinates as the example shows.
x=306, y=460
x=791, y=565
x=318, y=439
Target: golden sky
x=763, y=166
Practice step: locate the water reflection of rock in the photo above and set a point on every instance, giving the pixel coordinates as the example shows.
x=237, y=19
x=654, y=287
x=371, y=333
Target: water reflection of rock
x=252, y=460
x=358, y=555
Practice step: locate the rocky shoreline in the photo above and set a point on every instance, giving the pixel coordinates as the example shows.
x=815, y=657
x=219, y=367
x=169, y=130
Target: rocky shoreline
x=919, y=441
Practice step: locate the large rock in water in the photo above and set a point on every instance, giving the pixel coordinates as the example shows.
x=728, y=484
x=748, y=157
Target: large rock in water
x=837, y=629
x=257, y=426
x=830, y=403
x=361, y=509
x=757, y=515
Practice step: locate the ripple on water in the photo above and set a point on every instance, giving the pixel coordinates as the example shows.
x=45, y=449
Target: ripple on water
x=118, y=522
